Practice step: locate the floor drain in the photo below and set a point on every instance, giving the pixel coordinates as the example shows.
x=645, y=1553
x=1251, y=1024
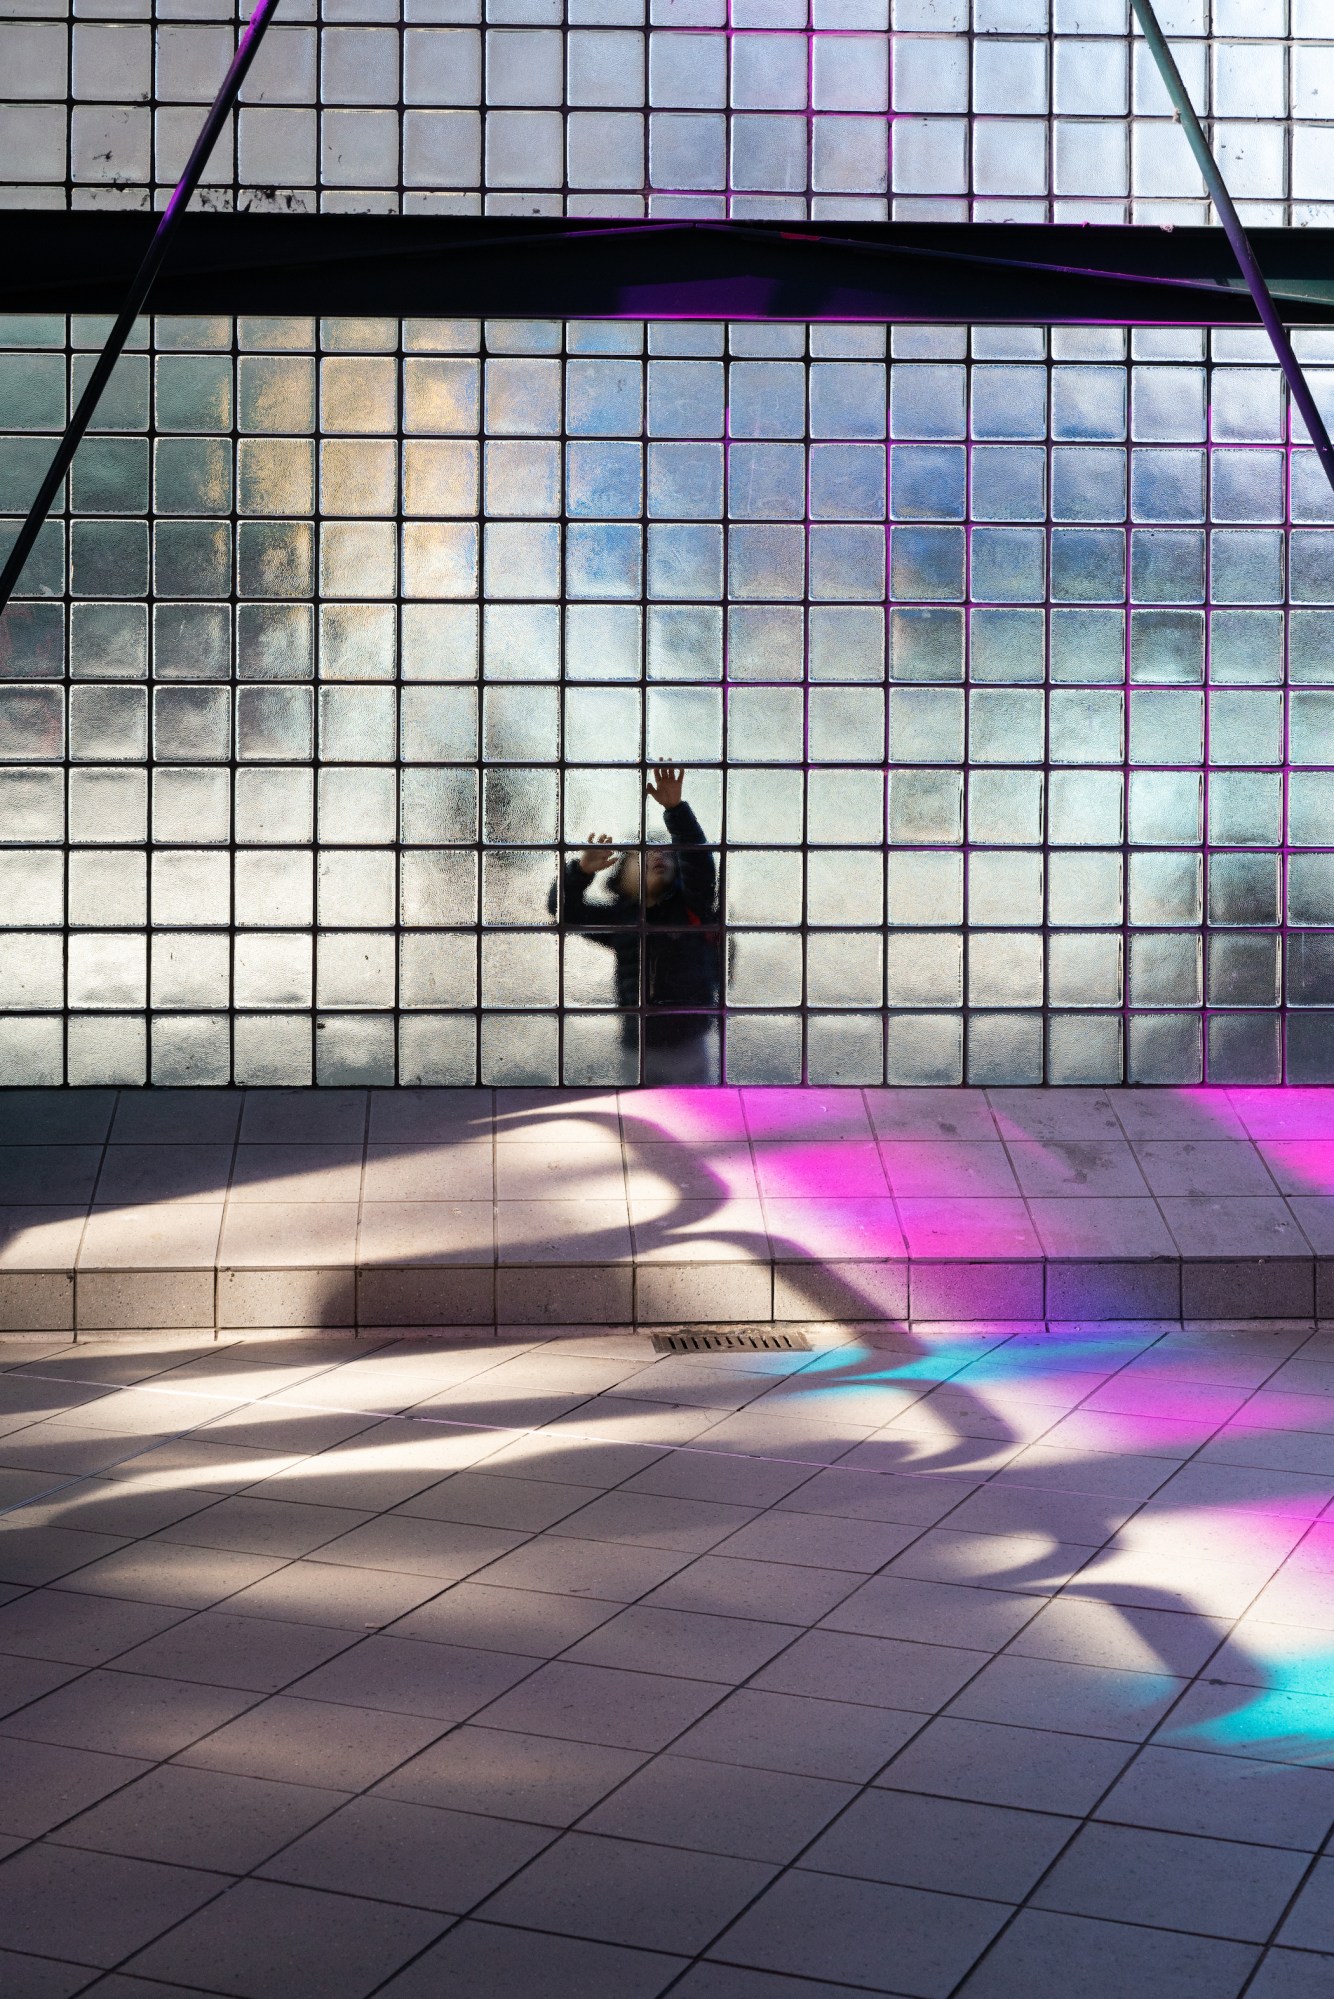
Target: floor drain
x=742, y=1342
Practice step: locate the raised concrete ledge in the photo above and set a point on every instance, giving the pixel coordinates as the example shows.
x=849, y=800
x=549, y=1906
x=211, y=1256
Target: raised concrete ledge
x=137, y=1210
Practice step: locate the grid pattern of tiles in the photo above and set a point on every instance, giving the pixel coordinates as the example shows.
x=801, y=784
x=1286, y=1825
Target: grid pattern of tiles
x=475, y=1207
x=994, y=109
x=927, y=1663
x=347, y=632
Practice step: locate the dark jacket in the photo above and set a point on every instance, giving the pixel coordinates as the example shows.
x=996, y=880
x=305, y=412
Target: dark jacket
x=679, y=933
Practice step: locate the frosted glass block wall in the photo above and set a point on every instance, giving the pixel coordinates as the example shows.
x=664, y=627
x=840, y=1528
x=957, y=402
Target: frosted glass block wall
x=969, y=109
x=1003, y=664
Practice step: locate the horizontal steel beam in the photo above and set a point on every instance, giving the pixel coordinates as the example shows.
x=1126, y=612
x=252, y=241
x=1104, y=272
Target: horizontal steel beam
x=545, y=268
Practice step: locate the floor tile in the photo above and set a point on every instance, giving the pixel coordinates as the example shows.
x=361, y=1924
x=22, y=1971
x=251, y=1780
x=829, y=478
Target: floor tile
x=606, y=1569
x=296, y=1172
x=776, y=1591
x=128, y=1714
x=85, y=1631
x=805, y=1735
x=646, y=1520
x=863, y=1933
x=719, y=1808
x=44, y=1783
x=624, y=1891
x=1203, y=1167
x=693, y=1644
x=534, y=1778
x=1310, y=1923
x=858, y=1545
x=1078, y=1700
x=398, y=1852
x=28, y=1977
x=164, y=1572
x=1051, y=1957
x=478, y=1499
x=200, y=1818
x=1083, y=1166
x=313, y=1742
x=948, y=1168
x=265, y=1940
x=734, y=1981
x=997, y=1765
x=887, y=1672
x=1291, y=1974
x=530, y=1623
x=1234, y=1226
x=93, y=1908
x=134, y=1175
x=219, y=1648
x=503, y=1963
x=445, y=1171
x=941, y=1613
x=941, y=1843
x=622, y=1710
x=329, y=1593
x=1224, y=1797
x=263, y=1526
x=1174, y=1881
x=447, y=1682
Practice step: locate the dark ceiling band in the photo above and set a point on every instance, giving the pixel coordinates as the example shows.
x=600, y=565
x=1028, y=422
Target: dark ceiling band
x=133, y=305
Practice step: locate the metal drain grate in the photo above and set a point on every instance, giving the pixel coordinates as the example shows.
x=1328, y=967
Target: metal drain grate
x=739, y=1342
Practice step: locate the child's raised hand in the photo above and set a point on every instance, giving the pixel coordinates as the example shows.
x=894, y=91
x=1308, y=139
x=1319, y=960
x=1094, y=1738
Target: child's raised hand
x=666, y=784
x=598, y=854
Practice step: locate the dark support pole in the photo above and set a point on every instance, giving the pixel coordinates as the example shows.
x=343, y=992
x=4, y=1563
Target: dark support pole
x=1236, y=235
x=139, y=290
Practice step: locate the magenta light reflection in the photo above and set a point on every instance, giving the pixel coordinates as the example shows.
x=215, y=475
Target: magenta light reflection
x=834, y=1194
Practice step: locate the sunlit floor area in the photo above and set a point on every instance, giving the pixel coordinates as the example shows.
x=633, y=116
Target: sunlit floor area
x=993, y=1660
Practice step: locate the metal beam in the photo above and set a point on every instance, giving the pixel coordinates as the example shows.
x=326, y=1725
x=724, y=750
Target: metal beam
x=1298, y=385
x=133, y=305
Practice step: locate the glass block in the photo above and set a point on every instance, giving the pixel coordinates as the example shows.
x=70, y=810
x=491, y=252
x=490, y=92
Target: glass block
x=1088, y=565
x=925, y=645
x=1165, y=968
x=437, y=1049
x=442, y=397
x=1166, y=727
x=1084, y=1049
x=765, y=725
x=925, y=807
x=764, y=888
x=1085, y=808
x=1244, y=1048
x=274, y=723
x=1310, y=889
x=439, y=805
x=275, y=559
x=1310, y=648
x=1246, y=647
x=1006, y=646
x=843, y=806
x=1245, y=809
x=110, y=476
x=1084, y=968
x=926, y=725
x=845, y=1048
x=1008, y=564
x=764, y=1048
x=765, y=806
x=1005, y=888
x=108, y=558
x=927, y=562
x=1310, y=971
x=1088, y=483
x=845, y=887
x=923, y=889
x=847, y=482
x=924, y=1048
x=847, y=642
x=32, y=642
x=274, y=805
x=1165, y=808
x=1167, y=485
x=764, y=968
x=1166, y=888
x=275, y=394
x=1005, y=807
x=928, y=482
x=1004, y=1049
x=844, y=969
x=32, y=806
x=108, y=642
x=1005, y=725
x=1243, y=971
x=1009, y=483
x=1164, y=1048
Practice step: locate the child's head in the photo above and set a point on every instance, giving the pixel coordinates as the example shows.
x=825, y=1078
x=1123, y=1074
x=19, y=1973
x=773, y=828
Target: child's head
x=659, y=873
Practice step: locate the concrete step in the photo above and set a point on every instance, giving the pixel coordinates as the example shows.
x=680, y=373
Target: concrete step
x=351, y=1208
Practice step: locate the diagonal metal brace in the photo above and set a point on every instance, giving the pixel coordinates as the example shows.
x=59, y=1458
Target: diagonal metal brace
x=175, y=209
x=1298, y=385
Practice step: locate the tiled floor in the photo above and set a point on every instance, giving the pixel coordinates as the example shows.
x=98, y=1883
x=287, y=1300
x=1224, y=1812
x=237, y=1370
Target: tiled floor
x=381, y=1208
x=993, y=1660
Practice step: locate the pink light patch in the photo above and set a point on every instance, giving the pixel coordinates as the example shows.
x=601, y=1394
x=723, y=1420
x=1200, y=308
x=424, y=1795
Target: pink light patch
x=814, y=1114
x=968, y=1229
x=806, y=1168
x=692, y=1115
x=814, y=1229
x=1285, y=1111
x=1300, y=1165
